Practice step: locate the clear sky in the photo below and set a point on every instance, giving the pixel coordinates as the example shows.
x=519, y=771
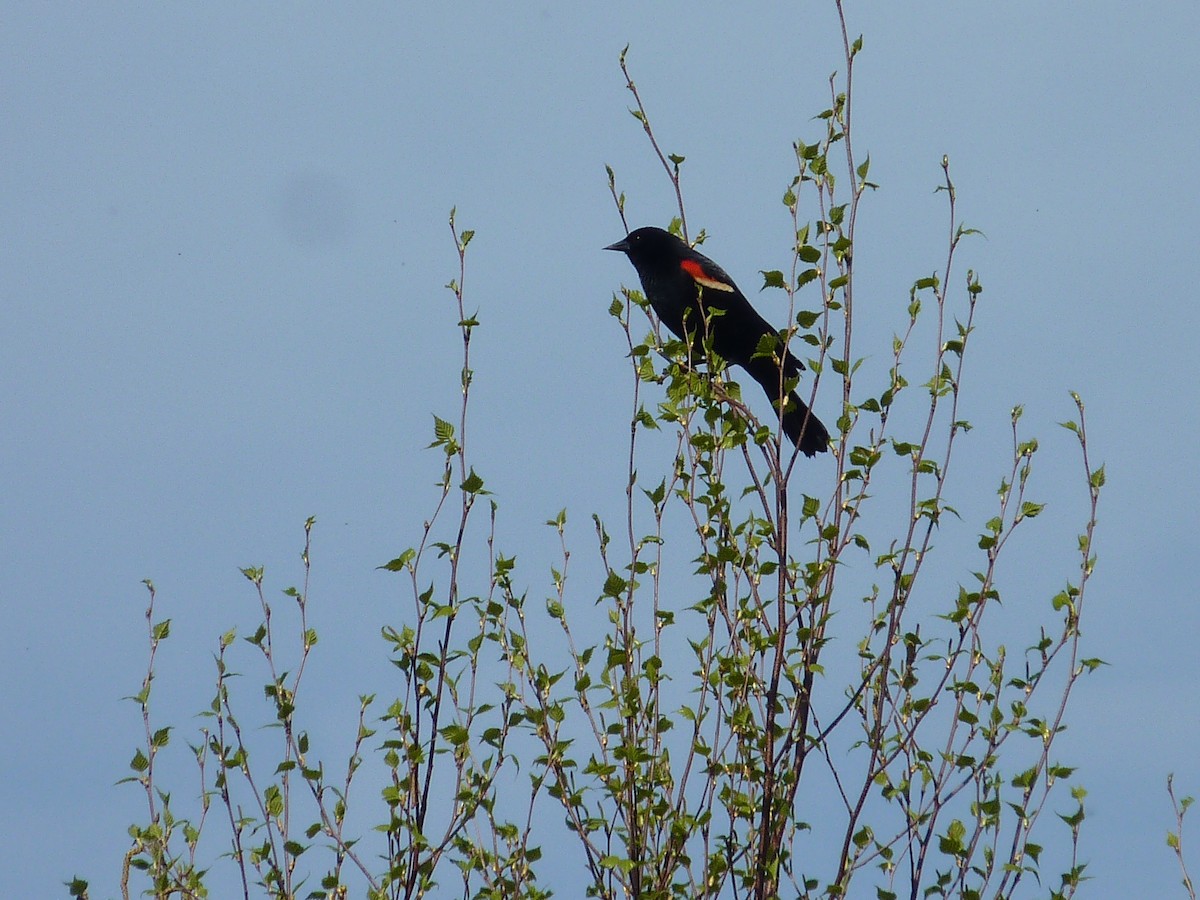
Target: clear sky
x=222, y=312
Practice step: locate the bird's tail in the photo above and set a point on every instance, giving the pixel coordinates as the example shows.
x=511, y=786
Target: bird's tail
x=803, y=428
x=800, y=424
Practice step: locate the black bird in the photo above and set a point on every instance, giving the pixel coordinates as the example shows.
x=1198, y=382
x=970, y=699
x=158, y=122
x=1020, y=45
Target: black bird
x=684, y=288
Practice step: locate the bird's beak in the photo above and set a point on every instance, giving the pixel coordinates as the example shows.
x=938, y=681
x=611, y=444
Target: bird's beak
x=621, y=245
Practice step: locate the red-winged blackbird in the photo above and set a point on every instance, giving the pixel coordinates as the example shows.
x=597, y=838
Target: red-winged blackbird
x=694, y=296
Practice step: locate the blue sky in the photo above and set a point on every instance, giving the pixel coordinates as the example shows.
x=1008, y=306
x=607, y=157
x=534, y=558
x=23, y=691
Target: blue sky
x=224, y=250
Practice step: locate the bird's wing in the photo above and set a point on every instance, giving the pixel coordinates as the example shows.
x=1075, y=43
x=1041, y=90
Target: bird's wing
x=708, y=274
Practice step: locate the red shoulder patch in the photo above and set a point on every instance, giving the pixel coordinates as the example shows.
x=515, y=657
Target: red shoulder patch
x=696, y=271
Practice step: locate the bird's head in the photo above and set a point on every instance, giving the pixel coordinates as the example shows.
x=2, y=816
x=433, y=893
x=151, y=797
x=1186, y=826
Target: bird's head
x=648, y=248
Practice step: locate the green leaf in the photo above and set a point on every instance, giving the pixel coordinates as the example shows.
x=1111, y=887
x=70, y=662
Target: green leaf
x=952, y=842
x=400, y=562
x=768, y=345
x=443, y=432
x=772, y=279
x=456, y=734
x=1025, y=779
x=472, y=484
x=614, y=585
x=806, y=318
x=657, y=495
x=807, y=276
